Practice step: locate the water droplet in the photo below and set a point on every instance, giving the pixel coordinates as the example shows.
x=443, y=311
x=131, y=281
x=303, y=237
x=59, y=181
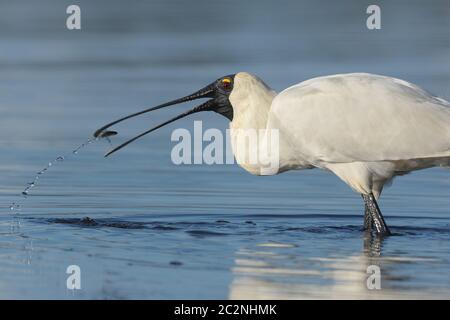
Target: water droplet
x=33, y=183
x=14, y=206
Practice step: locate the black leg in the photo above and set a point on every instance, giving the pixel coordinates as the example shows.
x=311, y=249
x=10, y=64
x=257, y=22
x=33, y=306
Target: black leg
x=378, y=222
x=367, y=218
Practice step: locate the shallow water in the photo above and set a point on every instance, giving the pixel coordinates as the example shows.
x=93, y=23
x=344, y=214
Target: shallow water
x=139, y=226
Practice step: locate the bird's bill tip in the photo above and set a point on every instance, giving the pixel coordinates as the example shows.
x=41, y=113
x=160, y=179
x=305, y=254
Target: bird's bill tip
x=104, y=133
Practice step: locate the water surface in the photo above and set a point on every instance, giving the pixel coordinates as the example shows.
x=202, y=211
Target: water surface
x=139, y=226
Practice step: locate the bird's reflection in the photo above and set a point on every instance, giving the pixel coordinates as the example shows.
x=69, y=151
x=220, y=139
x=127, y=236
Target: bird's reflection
x=372, y=244
x=283, y=272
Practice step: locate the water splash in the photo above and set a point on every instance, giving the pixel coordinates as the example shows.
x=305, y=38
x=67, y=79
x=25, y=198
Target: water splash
x=58, y=159
x=16, y=207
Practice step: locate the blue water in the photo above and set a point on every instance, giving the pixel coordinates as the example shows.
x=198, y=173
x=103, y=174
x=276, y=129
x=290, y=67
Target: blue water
x=139, y=226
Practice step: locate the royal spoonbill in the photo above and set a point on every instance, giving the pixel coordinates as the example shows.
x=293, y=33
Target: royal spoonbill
x=364, y=128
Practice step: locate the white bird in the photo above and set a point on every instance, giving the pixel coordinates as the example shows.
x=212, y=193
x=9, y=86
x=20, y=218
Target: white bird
x=364, y=128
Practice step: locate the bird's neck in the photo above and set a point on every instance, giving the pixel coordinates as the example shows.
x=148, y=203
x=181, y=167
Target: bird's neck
x=247, y=129
x=251, y=108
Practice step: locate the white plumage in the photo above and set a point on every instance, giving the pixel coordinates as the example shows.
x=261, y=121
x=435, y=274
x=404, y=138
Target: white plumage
x=365, y=128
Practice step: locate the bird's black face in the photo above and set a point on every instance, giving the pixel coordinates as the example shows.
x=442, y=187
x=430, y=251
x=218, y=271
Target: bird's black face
x=218, y=92
x=224, y=86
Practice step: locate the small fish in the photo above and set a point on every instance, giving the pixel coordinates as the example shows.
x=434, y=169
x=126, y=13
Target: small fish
x=106, y=134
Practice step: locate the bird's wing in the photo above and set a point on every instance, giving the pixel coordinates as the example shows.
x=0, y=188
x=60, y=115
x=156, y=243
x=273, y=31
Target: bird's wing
x=361, y=117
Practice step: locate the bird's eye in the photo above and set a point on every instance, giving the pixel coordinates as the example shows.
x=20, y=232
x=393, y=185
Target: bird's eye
x=226, y=83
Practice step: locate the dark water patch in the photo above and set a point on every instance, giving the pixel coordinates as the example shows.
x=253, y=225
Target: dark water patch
x=123, y=224
x=417, y=230
x=222, y=221
x=323, y=229
x=302, y=216
x=197, y=223
x=333, y=216
x=164, y=227
x=352, y=228
x=316, y=230
x=98, y=223
x=417, y=217
x=205, y=233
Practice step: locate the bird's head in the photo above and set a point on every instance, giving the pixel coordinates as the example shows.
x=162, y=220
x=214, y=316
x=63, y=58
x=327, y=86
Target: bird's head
x=218, y=93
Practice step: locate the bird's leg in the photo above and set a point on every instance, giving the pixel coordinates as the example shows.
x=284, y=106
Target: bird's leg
x=377, y=218
x=367, y=218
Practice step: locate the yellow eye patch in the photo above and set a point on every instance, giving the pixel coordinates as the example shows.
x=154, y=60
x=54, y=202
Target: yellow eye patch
x=226, y=81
